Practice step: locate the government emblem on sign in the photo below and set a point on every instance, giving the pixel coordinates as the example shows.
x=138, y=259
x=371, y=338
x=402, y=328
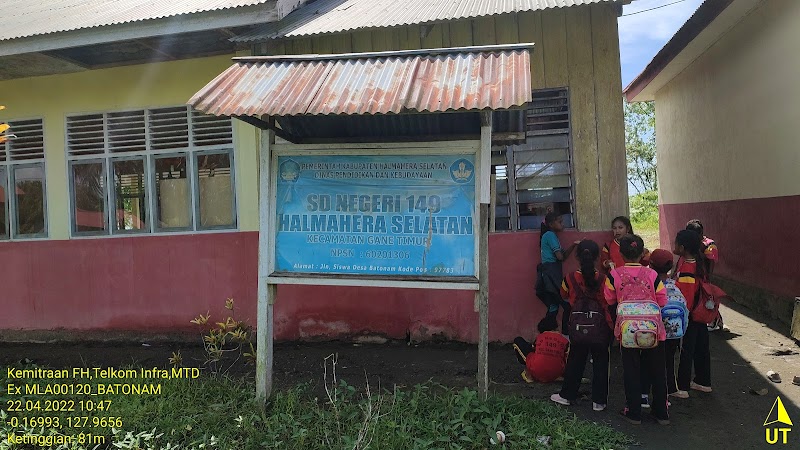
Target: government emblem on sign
x=290, y=170
x=462, y=171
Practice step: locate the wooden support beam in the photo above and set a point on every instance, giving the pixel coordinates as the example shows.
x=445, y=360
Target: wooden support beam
x=493, y=204
x=482, y=296
x=266, y=292
x=269, y=125
x=511, y=179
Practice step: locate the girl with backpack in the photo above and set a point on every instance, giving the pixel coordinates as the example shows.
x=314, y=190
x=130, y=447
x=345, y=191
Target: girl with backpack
x=611, y=257
x=695, y=352
x=589, y=329
x=675, y=316
x=639, y=296
x=549, y=272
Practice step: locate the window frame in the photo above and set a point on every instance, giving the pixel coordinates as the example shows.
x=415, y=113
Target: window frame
x=154, y=228
x=508, y=154
x=10, y=166
x=73, y=224
x=196, y=191
x=190, y=151
x=112, y=194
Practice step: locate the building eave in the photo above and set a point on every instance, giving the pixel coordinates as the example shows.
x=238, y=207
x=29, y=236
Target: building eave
x=187, y=23
x=712, y=20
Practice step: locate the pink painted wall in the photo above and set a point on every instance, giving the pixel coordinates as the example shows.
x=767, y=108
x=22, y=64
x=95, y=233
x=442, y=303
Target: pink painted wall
x=757, y=238
x=159, y=283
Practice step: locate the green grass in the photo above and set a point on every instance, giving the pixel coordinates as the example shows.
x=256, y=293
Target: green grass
x=221, y=413
x=644, y=218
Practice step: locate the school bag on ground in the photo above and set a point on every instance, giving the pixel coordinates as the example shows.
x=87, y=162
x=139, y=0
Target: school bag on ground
x=706, y=305
x=638, y=314
x=675, y=314
x=587, y=321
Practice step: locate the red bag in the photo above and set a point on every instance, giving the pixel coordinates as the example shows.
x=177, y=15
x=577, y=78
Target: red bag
x=706, y=305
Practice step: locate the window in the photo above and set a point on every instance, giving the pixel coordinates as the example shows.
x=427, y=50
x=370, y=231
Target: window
x=540, y=178
x=150, y=170
x=22, y=182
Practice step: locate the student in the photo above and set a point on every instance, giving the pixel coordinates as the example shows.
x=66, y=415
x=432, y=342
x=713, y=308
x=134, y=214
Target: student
x=662, y=262
x=611, y=257
x=618, y=285
x=549, y=271
x=584, y=290
x=711, y=254
x=545, y=359
x=695, y=352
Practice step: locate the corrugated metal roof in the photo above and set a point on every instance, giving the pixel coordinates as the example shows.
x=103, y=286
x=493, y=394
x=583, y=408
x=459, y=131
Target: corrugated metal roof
x=467, y=78
x=334, y=16
x=23, y=18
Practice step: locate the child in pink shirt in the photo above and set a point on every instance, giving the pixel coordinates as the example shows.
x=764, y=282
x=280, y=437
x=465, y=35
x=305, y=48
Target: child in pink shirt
x=637, y=362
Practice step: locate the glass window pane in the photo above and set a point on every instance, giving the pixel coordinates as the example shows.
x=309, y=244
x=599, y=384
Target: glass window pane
x=216, y=190
x=173, y=202
x=130, y=199
x=3, y=204
x=88, y=203
x=29, y=200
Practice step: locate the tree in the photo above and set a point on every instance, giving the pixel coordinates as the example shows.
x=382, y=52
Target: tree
x=640, y=145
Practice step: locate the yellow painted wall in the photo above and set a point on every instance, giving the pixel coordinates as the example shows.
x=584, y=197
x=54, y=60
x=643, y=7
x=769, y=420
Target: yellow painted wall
x=576, y=47
x=728, y=127
x=141, y=86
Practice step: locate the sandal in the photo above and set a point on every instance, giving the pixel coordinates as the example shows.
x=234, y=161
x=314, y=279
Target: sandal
x=773, y=376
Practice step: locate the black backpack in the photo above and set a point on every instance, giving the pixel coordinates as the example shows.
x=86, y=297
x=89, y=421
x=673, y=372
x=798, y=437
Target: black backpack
x=587, y=321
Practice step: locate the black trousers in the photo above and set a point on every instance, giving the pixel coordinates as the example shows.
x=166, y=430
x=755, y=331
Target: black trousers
x=651, y=362
x=576, y=363
x=695, y=352
x=670, y=348
x=553, y=301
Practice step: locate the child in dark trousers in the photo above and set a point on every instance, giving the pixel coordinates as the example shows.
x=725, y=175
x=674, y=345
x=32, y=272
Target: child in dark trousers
x=634, y=359
x=581, y=287
x=695, y=352
x=661, y=262
x=549, y=272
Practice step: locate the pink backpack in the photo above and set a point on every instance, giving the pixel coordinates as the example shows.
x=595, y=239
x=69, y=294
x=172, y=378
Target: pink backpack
x=639, y=321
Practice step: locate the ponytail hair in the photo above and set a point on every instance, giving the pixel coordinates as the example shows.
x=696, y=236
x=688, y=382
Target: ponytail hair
x=548, y=219
x=692, y=242
x=588, y=252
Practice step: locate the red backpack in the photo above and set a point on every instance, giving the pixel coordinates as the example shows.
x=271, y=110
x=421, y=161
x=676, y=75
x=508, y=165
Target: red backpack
x=706, y=303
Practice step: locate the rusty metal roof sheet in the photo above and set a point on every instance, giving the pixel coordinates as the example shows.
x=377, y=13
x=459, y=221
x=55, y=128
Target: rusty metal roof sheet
x=334, y=16
x=466, y=78
x=23, y=18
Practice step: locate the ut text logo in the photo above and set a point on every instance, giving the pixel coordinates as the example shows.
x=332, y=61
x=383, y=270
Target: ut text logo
x=775, y=433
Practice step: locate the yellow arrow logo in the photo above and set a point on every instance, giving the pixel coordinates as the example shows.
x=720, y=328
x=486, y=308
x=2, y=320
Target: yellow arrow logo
x=782, y=415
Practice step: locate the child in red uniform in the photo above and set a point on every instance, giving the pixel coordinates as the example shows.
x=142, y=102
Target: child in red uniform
x=635, y=361
x=695, y=351
x=711, y=254
x=584, y=290
x=662, y=262
x=545, y=359
x=611, y=257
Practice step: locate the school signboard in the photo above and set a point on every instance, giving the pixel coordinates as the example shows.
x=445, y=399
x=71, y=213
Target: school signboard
x=405, y=215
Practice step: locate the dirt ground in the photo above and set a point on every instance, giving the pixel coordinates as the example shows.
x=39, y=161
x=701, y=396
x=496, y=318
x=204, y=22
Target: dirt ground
x=731, y=417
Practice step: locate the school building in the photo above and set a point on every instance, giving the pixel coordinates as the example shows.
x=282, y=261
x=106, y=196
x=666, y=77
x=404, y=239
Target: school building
x=123, y=209
x=727, y=108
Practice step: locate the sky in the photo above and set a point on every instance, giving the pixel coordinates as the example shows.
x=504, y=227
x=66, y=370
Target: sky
x=642, y=35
